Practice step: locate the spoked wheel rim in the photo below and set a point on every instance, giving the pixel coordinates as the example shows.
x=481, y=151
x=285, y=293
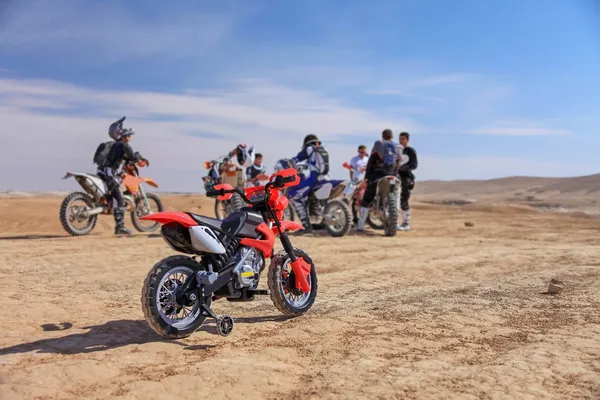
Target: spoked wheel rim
x=177, y=315
x=74, y=214
x=338, y=217
x=287, y=214
x=293, y=296
x=141, y=210
x=222, y=209
x=374, y=216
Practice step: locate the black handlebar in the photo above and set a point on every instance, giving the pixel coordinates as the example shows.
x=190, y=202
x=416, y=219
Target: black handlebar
x=213, y=193
x=278, y=183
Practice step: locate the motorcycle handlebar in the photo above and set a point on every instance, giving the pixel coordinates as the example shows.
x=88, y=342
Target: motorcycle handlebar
x=221, y=192
x=213, y=193
x=278, y=183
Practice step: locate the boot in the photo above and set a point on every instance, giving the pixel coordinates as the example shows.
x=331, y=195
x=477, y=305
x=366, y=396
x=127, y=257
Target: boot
x=120, y=220
x=304, y=220
x=362, y=219
x=405, y=221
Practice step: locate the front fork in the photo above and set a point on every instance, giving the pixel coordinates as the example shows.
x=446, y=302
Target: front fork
x=142, y=194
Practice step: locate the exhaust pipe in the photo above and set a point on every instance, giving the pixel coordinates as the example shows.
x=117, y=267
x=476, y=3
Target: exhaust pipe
x=94, y=211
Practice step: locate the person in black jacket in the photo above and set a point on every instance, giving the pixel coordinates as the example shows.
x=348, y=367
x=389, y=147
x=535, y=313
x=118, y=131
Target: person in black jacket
x=408, y=164
x=108, y=172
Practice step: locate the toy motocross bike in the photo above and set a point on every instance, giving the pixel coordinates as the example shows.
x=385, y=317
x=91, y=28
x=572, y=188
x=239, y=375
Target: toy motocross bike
x=178, y=290
x=95, y=201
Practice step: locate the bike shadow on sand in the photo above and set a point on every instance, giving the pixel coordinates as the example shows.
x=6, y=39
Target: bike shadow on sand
x=111, y=335
x=94, y=235
x=209, y=325
x=115, y=334
x=34, y=237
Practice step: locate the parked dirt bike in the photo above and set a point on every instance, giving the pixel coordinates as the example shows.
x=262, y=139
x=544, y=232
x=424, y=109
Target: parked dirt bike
x=325, y=207
x=95, y=201
x=178, y=290
x=380, y=214
x=223, y=171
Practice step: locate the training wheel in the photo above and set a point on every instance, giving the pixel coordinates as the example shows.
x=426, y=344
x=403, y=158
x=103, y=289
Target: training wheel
x=224, y=325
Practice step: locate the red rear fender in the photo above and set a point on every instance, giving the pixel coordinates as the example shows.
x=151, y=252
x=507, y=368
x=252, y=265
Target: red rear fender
x=165, y=217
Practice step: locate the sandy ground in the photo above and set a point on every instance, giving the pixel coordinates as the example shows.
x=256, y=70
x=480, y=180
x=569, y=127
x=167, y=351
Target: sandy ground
x=445, y=311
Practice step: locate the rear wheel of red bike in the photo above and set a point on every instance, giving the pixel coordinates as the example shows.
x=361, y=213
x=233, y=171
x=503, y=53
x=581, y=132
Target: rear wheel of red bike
x=168, y=316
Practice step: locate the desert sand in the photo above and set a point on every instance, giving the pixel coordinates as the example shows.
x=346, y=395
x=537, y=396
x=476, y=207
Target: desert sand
x=444, y=311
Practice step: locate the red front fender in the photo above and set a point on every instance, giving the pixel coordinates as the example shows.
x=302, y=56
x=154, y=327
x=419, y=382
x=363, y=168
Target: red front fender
x=165, y=217
x=287, y=226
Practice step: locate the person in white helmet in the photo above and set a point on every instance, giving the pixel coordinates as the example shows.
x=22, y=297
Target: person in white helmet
x=244, y=155
x=317, y=159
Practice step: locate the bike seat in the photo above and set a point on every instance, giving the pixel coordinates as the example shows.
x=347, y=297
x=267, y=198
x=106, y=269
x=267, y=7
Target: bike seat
x=231, y=225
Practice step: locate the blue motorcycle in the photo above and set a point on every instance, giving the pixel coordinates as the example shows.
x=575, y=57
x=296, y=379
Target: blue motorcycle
x=325, y=204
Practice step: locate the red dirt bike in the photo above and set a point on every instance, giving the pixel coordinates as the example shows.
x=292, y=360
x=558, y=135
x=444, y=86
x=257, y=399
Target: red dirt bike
x=178, y=290
x=383, y=213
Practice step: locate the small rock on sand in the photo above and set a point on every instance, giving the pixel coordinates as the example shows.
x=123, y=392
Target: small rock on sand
x=555, y=286
x=469, y=224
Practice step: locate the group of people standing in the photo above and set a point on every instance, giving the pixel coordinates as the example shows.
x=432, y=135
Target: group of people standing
x=386, y=158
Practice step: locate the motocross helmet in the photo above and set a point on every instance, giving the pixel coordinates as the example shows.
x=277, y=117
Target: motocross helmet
x=115, y=129
x=282, y=164
x=245, y=155
x=310, y=139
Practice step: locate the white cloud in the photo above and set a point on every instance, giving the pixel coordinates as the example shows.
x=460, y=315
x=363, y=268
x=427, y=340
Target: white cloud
x=39, y=145
x=50, y=127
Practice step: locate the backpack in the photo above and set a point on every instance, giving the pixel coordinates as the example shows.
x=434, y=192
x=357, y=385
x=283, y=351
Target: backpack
x=389, y=155
x=322, y=159
x=102, y=152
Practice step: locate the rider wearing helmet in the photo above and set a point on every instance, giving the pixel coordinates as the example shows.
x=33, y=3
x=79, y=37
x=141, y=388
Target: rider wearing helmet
x=382, y=162
x=317, y=160
x=119, y=152
x=244, y=155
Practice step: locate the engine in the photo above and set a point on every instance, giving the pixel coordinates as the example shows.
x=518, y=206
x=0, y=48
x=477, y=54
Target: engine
x=249, y=265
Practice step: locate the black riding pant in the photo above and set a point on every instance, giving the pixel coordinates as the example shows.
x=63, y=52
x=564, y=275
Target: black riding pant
x=114, y=192
x=371, y=188
x=407, y=184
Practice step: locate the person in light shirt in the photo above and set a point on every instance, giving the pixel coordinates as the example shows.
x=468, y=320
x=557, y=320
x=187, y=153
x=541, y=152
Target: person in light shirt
x=359, y=164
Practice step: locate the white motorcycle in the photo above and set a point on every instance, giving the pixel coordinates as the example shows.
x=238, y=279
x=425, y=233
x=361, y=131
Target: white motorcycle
x=79, y=220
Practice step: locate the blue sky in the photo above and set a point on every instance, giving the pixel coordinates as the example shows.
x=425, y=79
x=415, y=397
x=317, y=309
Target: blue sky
x=486, y=88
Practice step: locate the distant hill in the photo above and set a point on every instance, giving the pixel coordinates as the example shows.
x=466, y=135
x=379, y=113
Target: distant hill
x=581, y=192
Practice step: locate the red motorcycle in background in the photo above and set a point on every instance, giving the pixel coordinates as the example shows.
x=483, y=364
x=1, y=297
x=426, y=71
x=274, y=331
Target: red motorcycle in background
x=378, y=217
